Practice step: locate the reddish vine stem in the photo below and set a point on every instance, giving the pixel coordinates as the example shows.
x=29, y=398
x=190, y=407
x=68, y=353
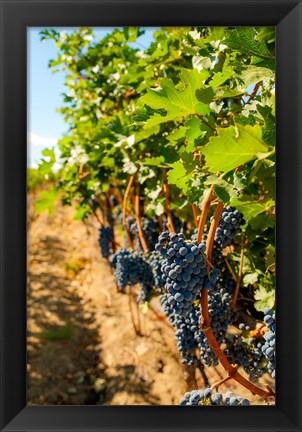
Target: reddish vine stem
x=239, y=277
x=205, y=324
x=195, y=214
x=136, y=330
x=167, y=192
x=230, y=269
x=212, y=230
x=119, y=196
x=109, y=209
x=138, y=219
x=128, y=188
x=254, y=92
x=218, y=383
x=204, y=212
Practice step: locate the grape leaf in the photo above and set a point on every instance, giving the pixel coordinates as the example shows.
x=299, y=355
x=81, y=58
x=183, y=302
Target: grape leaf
x=252, y=74
x=47, y=200
x=233, y=146
x=193, y=132
x=178, y=175
x=264, y=298
x=220, y=77
x=177, y=103
x=251, y=207
x=243, y=39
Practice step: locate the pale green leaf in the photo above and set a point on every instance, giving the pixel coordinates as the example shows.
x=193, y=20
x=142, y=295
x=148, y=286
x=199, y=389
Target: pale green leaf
x=264, y=298
x=234, y=146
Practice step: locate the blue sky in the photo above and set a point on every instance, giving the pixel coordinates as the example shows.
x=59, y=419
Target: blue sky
x=44, y=125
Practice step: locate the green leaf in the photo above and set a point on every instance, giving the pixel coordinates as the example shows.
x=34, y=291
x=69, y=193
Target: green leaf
x=176, y=172
x=223, y=190
x=193, y=133
x=178, y=175
x=266, y=34
x=261, y=222
x=253, y=74
x=177, y=134
x=250, y=278
x=269, y=129
x=234, y=146
x=264, y=298
x=46, y=165
x=158, y=161
x=220, y=77
x=243, y=39
x=82, y=212
x=251, y=207
x=47, y=200
x=176, y=103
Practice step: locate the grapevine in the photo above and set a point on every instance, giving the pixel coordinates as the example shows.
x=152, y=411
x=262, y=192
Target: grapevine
x=175, y=156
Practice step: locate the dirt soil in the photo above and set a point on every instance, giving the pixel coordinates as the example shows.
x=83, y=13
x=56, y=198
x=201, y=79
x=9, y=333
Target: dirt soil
x=82, y=345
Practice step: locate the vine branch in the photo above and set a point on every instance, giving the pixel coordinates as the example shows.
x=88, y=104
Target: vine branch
x=167, y=193
x=204, y=212
x=128, y=188
x=205, y=324
x=138, y=219
x=254, y=92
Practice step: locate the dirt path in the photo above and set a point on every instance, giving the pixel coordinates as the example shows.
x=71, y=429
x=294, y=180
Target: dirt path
x=82, y=347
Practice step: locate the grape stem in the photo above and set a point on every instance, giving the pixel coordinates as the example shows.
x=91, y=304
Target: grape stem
x=218, y=383
x=109, y=209
x=204, y=212
x=205, y=324
x=136, y=330
x=230, y=269
x=127, y=191
x=195, y=214
x=167, y=193
x=254, y=92
x=96, y=215
x=138, y=219
x=240, y=272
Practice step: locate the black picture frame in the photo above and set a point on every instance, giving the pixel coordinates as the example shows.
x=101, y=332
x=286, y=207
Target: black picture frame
x=16, y=16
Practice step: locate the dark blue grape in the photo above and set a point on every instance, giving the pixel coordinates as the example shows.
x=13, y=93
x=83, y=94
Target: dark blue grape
x=228, y=226
x=105, y=239
x=268, y=348
x=208, y=397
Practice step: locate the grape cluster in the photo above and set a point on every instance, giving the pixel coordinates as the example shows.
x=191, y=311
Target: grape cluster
x=189, y=335
x=105, y=239
x=225, y=280
x=247, y=352
x=120, y=273
x=131, y=268
x=156, y=260
x=185, y=335
x=268, y=348
x=208, y=397
x=149, y=228
x=228, y=226
x=184, y=270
